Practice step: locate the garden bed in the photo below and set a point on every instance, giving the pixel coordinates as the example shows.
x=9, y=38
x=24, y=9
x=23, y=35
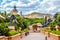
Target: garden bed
x=54, y=37
x=22, y=35
x=15, y=37
x=47, y=34
x=2, y=37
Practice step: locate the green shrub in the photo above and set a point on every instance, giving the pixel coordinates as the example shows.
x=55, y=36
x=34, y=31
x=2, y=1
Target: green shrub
x=52, y=25
x=27, y=29
x=3, y=30
x=58, y=19
x=47, y=30
x=1, y=20
x=21, y=31
x=11, y=33
x=56, y=32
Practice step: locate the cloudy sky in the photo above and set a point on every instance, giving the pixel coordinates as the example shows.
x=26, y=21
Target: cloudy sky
x=28, y=6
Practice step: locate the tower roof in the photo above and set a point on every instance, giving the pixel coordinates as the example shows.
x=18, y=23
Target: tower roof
x=15, y=10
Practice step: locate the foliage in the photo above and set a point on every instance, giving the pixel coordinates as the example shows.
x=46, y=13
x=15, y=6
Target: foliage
x=2, y=20
x=25, y=30
x=4, y=29
x=35, y=20
x=47, y=30
x=56, y=32
x=11, y=33
x=58, y=19
x=7, y=19
x=38, y=20
x=21, y=31
x=22, y=23
x=52, y=25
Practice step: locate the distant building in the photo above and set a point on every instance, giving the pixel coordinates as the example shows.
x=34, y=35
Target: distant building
x=21, y=15
x=48, y=16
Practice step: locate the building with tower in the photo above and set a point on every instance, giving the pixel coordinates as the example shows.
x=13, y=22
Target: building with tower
x=14, y=11
x=21, y=15
x=13, y=18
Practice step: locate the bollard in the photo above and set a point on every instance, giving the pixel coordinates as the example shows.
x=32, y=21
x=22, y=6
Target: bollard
x=26, y=34
x=45, y=37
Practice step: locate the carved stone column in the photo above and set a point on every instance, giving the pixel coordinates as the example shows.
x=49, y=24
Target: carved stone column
x=57, y=28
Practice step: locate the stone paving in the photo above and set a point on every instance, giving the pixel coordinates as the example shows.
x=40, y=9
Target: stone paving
x=34, y=36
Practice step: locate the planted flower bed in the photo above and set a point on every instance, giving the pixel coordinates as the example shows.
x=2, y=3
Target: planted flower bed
x=42, y=30
x=47, y=33
x=15, y=37
x=9, y=30
x=54, y=37
x=22, y=35
x=11, y=35
x=2, y=38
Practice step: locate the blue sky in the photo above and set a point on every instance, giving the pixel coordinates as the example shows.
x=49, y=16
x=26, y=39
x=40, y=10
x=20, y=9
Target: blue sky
x=29, y=6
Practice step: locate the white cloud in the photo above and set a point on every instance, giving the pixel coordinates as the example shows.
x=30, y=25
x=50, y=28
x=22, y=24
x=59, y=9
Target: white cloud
x=58, y=10
x=29, y=4
x=9, y=4
x=32, y=2
x=4, y=1
x=44, y=9
x=45, y=6
x=44, y=2
x=20, y=4
x=51, y=8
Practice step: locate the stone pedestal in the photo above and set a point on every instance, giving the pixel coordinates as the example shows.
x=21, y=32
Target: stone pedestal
x=57, y=28
x=49, y=27
x=11, y=27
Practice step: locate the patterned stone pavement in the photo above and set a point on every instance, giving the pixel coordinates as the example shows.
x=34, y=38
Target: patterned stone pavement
x=34, y=36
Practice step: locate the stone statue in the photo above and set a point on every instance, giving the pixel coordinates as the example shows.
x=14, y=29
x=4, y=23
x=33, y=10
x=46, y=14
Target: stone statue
x=12, y=18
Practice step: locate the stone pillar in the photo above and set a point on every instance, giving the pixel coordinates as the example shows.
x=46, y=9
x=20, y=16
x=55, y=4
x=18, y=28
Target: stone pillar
x=49, y=27
x=57, y=28
x=11, y=27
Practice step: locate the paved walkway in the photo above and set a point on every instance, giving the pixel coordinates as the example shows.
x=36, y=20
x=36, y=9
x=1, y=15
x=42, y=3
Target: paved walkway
x=34, y=36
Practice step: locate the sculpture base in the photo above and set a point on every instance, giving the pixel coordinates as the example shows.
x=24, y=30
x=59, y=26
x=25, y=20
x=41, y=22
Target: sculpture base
x=11, y=27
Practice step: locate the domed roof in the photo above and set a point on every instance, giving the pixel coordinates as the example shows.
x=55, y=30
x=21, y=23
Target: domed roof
x=15, y=10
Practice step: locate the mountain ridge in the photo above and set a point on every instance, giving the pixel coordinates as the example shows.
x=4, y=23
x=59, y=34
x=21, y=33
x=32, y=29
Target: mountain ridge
x=36, y=15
